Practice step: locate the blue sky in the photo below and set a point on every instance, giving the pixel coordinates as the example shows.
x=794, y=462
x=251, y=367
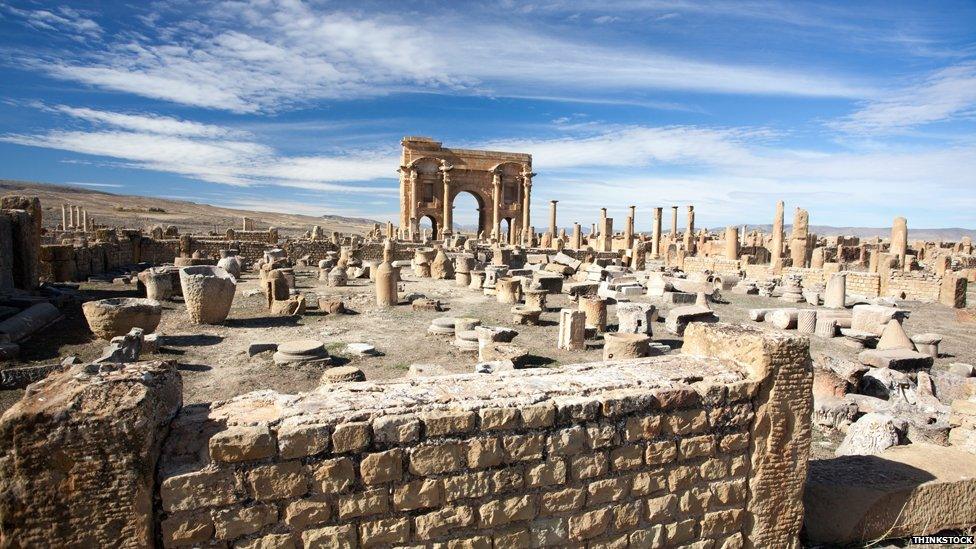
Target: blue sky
x=856, y=111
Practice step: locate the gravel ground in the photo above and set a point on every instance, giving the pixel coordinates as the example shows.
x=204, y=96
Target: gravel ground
x=215, y=364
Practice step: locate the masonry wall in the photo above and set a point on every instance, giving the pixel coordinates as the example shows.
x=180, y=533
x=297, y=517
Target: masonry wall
x=714, y=264
x=585, y=455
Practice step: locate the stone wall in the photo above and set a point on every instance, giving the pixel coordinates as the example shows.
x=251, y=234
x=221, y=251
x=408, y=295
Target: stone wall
x=863, y=284
x=914, y=286
x=649, y=452
x=713, y=264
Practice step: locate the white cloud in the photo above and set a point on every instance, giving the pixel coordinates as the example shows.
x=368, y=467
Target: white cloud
x=148, y=123
x=947, y=94
x=269, y=55
x=737, y=175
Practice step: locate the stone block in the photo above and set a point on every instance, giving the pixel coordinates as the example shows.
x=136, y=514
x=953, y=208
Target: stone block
x=242, y=443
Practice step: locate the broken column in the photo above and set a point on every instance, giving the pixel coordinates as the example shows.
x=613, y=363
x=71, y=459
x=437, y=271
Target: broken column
x=624, y=346
x=386, y=279
x=836, y=293
x=776, y=248
x=731, y=243
x=690, y=232
x=899, y=239
x=799, y=239
x=577, y=242
x=596, y=312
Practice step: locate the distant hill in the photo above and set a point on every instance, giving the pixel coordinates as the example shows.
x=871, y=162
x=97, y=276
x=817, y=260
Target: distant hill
x=143, y=211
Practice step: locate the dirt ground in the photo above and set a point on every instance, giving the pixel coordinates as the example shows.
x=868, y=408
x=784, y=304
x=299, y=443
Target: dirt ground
x=215, y=363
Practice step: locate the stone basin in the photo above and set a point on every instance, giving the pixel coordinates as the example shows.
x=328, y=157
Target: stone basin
x=113, y=317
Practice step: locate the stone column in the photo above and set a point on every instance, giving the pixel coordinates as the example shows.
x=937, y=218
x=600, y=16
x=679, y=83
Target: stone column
x=577, y=241
x=899, y=239
x=552, y=218
x=84, y=220
x=526, y=197
x=404, y=196
x=776, y=249
x=414, y=198
x=690, y=232
x=606, y=235
x=674, y=223
x=496, y=213
x=731, y=243
x=630, y=224
x=77, y=217
x=448, y=210
x=836, y=292
x=64, y=217
x=656, y=234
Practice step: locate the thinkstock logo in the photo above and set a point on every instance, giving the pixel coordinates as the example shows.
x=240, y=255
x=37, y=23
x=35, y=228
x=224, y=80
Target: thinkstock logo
x=942, y=540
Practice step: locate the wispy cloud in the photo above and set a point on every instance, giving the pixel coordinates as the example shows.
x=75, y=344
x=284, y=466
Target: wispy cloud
x=147, y=123
x=949, y=93
x=208, y=152
x=86, y=184
x=60, y=19
x=269, y=55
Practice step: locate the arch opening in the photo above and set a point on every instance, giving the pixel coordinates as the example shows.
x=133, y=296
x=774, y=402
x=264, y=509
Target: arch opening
x=469, y=213
x=428, y=223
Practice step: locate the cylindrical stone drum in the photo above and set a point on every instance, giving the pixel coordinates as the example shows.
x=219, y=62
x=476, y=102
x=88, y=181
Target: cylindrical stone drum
x=465, y=324
x=596, y=312
x=784, y=319
x=508, y=290
x=535, y=299
x=462, y=279
x=477, y=280
x=806, y=321
x=826, y=327
x=617, y=346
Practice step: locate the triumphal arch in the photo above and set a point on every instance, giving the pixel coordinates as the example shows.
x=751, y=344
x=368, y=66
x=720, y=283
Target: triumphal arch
x=432, y=176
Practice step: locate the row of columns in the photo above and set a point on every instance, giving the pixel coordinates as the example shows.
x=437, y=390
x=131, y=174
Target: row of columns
x=605, y=227
x=74, y=217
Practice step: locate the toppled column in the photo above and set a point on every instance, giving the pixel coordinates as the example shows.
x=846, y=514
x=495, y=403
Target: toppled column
x=80, y=456
x=29, y=321
x=899, y=240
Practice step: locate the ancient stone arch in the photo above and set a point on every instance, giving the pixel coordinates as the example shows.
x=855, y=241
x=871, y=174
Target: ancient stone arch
x=431, y=176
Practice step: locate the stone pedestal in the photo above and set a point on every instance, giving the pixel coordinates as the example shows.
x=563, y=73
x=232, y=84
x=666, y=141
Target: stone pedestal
x=617, y=346
x=572, y=330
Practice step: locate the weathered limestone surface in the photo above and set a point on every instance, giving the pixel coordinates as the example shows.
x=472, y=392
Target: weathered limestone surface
x=916, y=489
x=79, y=456
x=780, y=442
